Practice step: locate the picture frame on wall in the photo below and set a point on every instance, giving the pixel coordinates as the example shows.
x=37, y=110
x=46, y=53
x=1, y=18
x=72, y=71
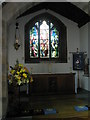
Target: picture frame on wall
x=78, y=61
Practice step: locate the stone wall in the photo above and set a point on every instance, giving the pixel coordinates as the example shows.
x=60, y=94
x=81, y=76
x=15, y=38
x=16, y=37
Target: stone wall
x=4, y=68
x=0, y=61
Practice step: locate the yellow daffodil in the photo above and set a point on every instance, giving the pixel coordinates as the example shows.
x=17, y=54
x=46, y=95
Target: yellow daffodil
x=12, y=71
x=17, y=77
x=18, y=72
x=23, y=70
x=24, y=75
x=20, y=65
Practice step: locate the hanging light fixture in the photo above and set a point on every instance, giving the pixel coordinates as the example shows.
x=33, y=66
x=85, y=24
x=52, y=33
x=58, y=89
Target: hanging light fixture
x=17, y=37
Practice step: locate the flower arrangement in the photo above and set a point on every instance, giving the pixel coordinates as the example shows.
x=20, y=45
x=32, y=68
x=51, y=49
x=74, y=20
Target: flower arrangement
x=19, y=74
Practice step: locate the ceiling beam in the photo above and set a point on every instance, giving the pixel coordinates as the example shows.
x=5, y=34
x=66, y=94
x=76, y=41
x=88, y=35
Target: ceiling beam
x=65, y=9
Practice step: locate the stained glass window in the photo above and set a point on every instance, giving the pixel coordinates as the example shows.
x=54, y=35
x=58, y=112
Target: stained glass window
x=34, y=42
x=51, y=25
x=45, y=39
x=54, y=43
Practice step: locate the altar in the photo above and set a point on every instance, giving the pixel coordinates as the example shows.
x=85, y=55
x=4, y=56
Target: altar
x=58, y=83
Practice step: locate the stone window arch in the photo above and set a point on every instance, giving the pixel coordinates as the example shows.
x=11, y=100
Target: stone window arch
x=45, y=39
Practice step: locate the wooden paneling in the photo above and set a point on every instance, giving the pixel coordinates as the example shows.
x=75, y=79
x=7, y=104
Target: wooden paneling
x=53, y=84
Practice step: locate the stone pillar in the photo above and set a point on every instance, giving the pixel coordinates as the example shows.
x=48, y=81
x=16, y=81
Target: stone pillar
x=4, y=68
x=0, y=61
x=89, y=57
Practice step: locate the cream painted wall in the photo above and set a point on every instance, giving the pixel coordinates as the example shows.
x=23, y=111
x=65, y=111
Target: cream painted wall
x=84, y=48
x=73, y=42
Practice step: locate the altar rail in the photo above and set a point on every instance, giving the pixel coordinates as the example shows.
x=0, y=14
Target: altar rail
x=44, y=84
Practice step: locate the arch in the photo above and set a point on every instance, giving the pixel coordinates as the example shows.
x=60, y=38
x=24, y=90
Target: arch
x=62, y=36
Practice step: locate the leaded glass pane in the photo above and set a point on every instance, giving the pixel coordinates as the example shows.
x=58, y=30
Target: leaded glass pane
x=44, y=40
x=54, y=43
x=51, y=25
x=34, y=42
